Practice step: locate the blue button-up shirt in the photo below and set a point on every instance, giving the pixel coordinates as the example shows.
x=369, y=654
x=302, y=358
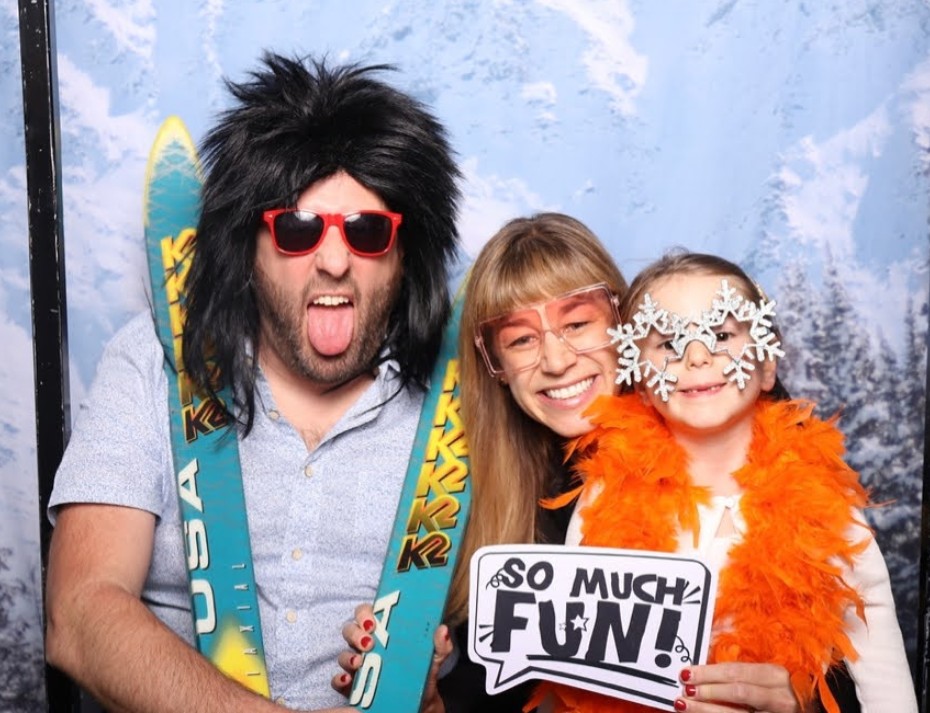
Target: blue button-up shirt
x=319, y=521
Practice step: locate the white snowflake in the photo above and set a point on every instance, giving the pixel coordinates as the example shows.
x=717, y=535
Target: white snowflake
x=740, y=370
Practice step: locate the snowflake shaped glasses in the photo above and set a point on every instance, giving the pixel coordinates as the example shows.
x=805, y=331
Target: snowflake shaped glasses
x=761, y=342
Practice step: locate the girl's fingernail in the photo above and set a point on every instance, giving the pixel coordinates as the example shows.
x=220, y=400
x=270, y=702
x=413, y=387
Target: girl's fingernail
x=344, y=678
x=355, y=661
x=690, y=691
x=365, y=642
x=685, y=675
x=680, y=705
x=368, y=625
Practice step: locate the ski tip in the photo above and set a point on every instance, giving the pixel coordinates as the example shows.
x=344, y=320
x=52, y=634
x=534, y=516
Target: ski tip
x=172, y=131
x=173, y=140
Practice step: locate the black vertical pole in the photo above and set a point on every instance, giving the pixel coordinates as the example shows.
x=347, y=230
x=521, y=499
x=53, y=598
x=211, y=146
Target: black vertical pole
x=923, y=621
x=923, y=615
x=47, y=276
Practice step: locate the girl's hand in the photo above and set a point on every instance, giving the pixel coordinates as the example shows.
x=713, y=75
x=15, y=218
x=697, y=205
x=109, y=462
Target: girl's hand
x=723, y=687
x=359, y=635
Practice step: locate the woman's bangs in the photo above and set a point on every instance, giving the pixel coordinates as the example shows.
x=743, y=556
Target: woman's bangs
x=534, y=280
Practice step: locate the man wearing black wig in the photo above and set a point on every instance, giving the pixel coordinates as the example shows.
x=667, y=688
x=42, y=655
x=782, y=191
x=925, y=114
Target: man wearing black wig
x=319, y=287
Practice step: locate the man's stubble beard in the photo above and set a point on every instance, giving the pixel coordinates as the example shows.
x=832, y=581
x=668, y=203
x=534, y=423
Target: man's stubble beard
x=283, y=330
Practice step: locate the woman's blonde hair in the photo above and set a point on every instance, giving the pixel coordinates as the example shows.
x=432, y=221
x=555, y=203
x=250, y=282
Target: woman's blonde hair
x=515, y=460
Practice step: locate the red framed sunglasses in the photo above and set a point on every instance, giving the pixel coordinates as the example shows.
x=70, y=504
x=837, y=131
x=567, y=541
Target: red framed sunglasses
x=367, y=233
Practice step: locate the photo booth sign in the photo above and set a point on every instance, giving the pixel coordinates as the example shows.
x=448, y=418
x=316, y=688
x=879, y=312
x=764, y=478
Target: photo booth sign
x=618, y=622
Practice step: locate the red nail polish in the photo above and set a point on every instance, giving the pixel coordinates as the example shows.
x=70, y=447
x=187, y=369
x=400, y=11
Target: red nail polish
x=685, y=675
x=680, y=705
x=344, y=678
x=368, y=625
x=365, y=642
x=690, y=691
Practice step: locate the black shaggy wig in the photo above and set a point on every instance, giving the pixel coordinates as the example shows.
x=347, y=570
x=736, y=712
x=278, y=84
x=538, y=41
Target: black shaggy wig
x=294, y=122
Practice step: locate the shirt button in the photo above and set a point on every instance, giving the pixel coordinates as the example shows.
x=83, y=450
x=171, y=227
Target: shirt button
x=297, y=554
x=274, y=415
x=308, y=471
x=291, y=616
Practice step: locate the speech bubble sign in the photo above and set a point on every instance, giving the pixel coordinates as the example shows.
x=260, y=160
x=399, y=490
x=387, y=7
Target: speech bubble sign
x=618, y=622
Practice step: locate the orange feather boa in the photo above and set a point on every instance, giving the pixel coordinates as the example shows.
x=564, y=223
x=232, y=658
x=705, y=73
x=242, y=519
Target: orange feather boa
x=781, y=597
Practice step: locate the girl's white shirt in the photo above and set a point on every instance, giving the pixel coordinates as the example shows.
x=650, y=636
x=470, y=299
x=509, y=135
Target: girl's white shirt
x=881, y=673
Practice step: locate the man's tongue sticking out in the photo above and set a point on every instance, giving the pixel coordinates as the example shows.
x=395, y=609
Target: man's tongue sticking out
x=330, y=327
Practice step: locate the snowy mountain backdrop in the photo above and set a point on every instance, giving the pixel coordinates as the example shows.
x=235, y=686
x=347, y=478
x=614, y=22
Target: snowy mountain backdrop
x=793, y=137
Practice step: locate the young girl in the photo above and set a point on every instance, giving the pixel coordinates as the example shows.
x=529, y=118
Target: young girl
x=706, y=457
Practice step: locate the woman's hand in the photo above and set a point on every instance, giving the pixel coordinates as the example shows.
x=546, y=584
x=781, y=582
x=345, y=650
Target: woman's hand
x=359, y=635
x=719, y=688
